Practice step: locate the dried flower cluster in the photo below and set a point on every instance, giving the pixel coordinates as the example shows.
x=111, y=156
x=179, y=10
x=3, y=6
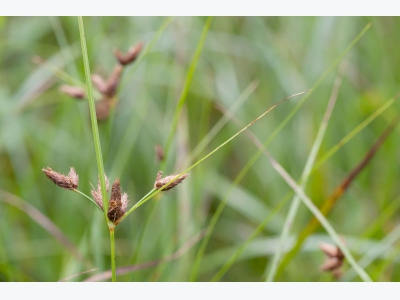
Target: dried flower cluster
x=334, y=259
x=73, y=91
x=159, y=153
x=107, y=87
x=118, y=201
x=160, y=182
x=130, y=56
x=69, y=182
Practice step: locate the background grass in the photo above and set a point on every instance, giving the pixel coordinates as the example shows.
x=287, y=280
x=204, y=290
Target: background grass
x=42, y=127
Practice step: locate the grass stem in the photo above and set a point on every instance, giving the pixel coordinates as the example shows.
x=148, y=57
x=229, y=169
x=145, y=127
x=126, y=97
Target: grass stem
x=96, y=140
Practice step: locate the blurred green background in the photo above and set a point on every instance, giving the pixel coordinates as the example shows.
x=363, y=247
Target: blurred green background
x=267, y=59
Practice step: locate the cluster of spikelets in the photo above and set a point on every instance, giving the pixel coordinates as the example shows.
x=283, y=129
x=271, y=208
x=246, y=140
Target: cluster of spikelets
x=106, y=87
x=118, y=203
x=334, y=260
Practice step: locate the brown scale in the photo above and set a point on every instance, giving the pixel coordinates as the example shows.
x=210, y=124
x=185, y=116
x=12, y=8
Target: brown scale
x=115, y=210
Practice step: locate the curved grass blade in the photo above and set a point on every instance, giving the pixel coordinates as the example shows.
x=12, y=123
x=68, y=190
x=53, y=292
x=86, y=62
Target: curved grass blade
x=188, y=81
x=305, y=175
x=338, y=192
x=43, y=221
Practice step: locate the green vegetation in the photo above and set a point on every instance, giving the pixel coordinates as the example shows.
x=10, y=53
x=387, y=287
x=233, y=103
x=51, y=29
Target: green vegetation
x=196, y=83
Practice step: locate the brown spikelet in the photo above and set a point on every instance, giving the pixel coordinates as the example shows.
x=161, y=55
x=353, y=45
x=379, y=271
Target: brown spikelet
x=69, y=182
x=331, y=264
x=334, y=260
x=108, y=87
x=160, y=182
x=331, y=250
x=118, y=203
x=103, y=109
x=130, y=56
x=159, y=153
x=100, y=83
x=113, y=81
x=73, y=91
x=97, y=194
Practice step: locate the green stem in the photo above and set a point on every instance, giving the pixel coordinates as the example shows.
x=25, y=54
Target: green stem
x=112, y=242
x=154, y=192
x=96, y=140
x=185, y=91
x=93, y=118
x=141, y=201
x=87, y=197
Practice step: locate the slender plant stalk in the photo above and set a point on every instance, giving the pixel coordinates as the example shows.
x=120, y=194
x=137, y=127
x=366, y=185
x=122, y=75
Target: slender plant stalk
x=243, y=246
x=319, y=216
x=330, y=202
x=215, y=217
x=186, y=87
x=375, y=252
x=304, y=177
x=96, y=140
x=270, y=138
x=87, y=197
x=310, y=205
x=151, y=194
x=354, y=132
x=224, y=120
x=113, y=268
x=145, y=52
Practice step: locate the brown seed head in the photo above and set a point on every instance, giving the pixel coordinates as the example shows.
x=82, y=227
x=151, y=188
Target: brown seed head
x=130, y=56
x=331, y=250
x=99, y=83
x=160, y=182
x=334, y=259
x=103, y=109
x=69, y=182
x=113, y=81
x=73, y=91
x=118, y=203
x=97, y=195
x=108, y=87
x=331, y=264
x=159, y=153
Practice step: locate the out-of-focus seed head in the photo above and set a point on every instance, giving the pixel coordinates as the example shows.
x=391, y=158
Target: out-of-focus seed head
x=73, y=91
x=113, y=81
x=99, y=83
x=103, y=109
x=334, y=260
x=159, y=153
x=69, y=182
x=331, y=263
x=108, y=87
x=160, y=182
x=130, y=56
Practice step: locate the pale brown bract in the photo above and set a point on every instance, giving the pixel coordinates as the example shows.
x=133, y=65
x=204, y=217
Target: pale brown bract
x=97, y=193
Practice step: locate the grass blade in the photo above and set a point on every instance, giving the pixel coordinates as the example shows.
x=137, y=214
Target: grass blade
x=338, y=192
x=43, y=221
x=305, y=175
x=188, y=81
